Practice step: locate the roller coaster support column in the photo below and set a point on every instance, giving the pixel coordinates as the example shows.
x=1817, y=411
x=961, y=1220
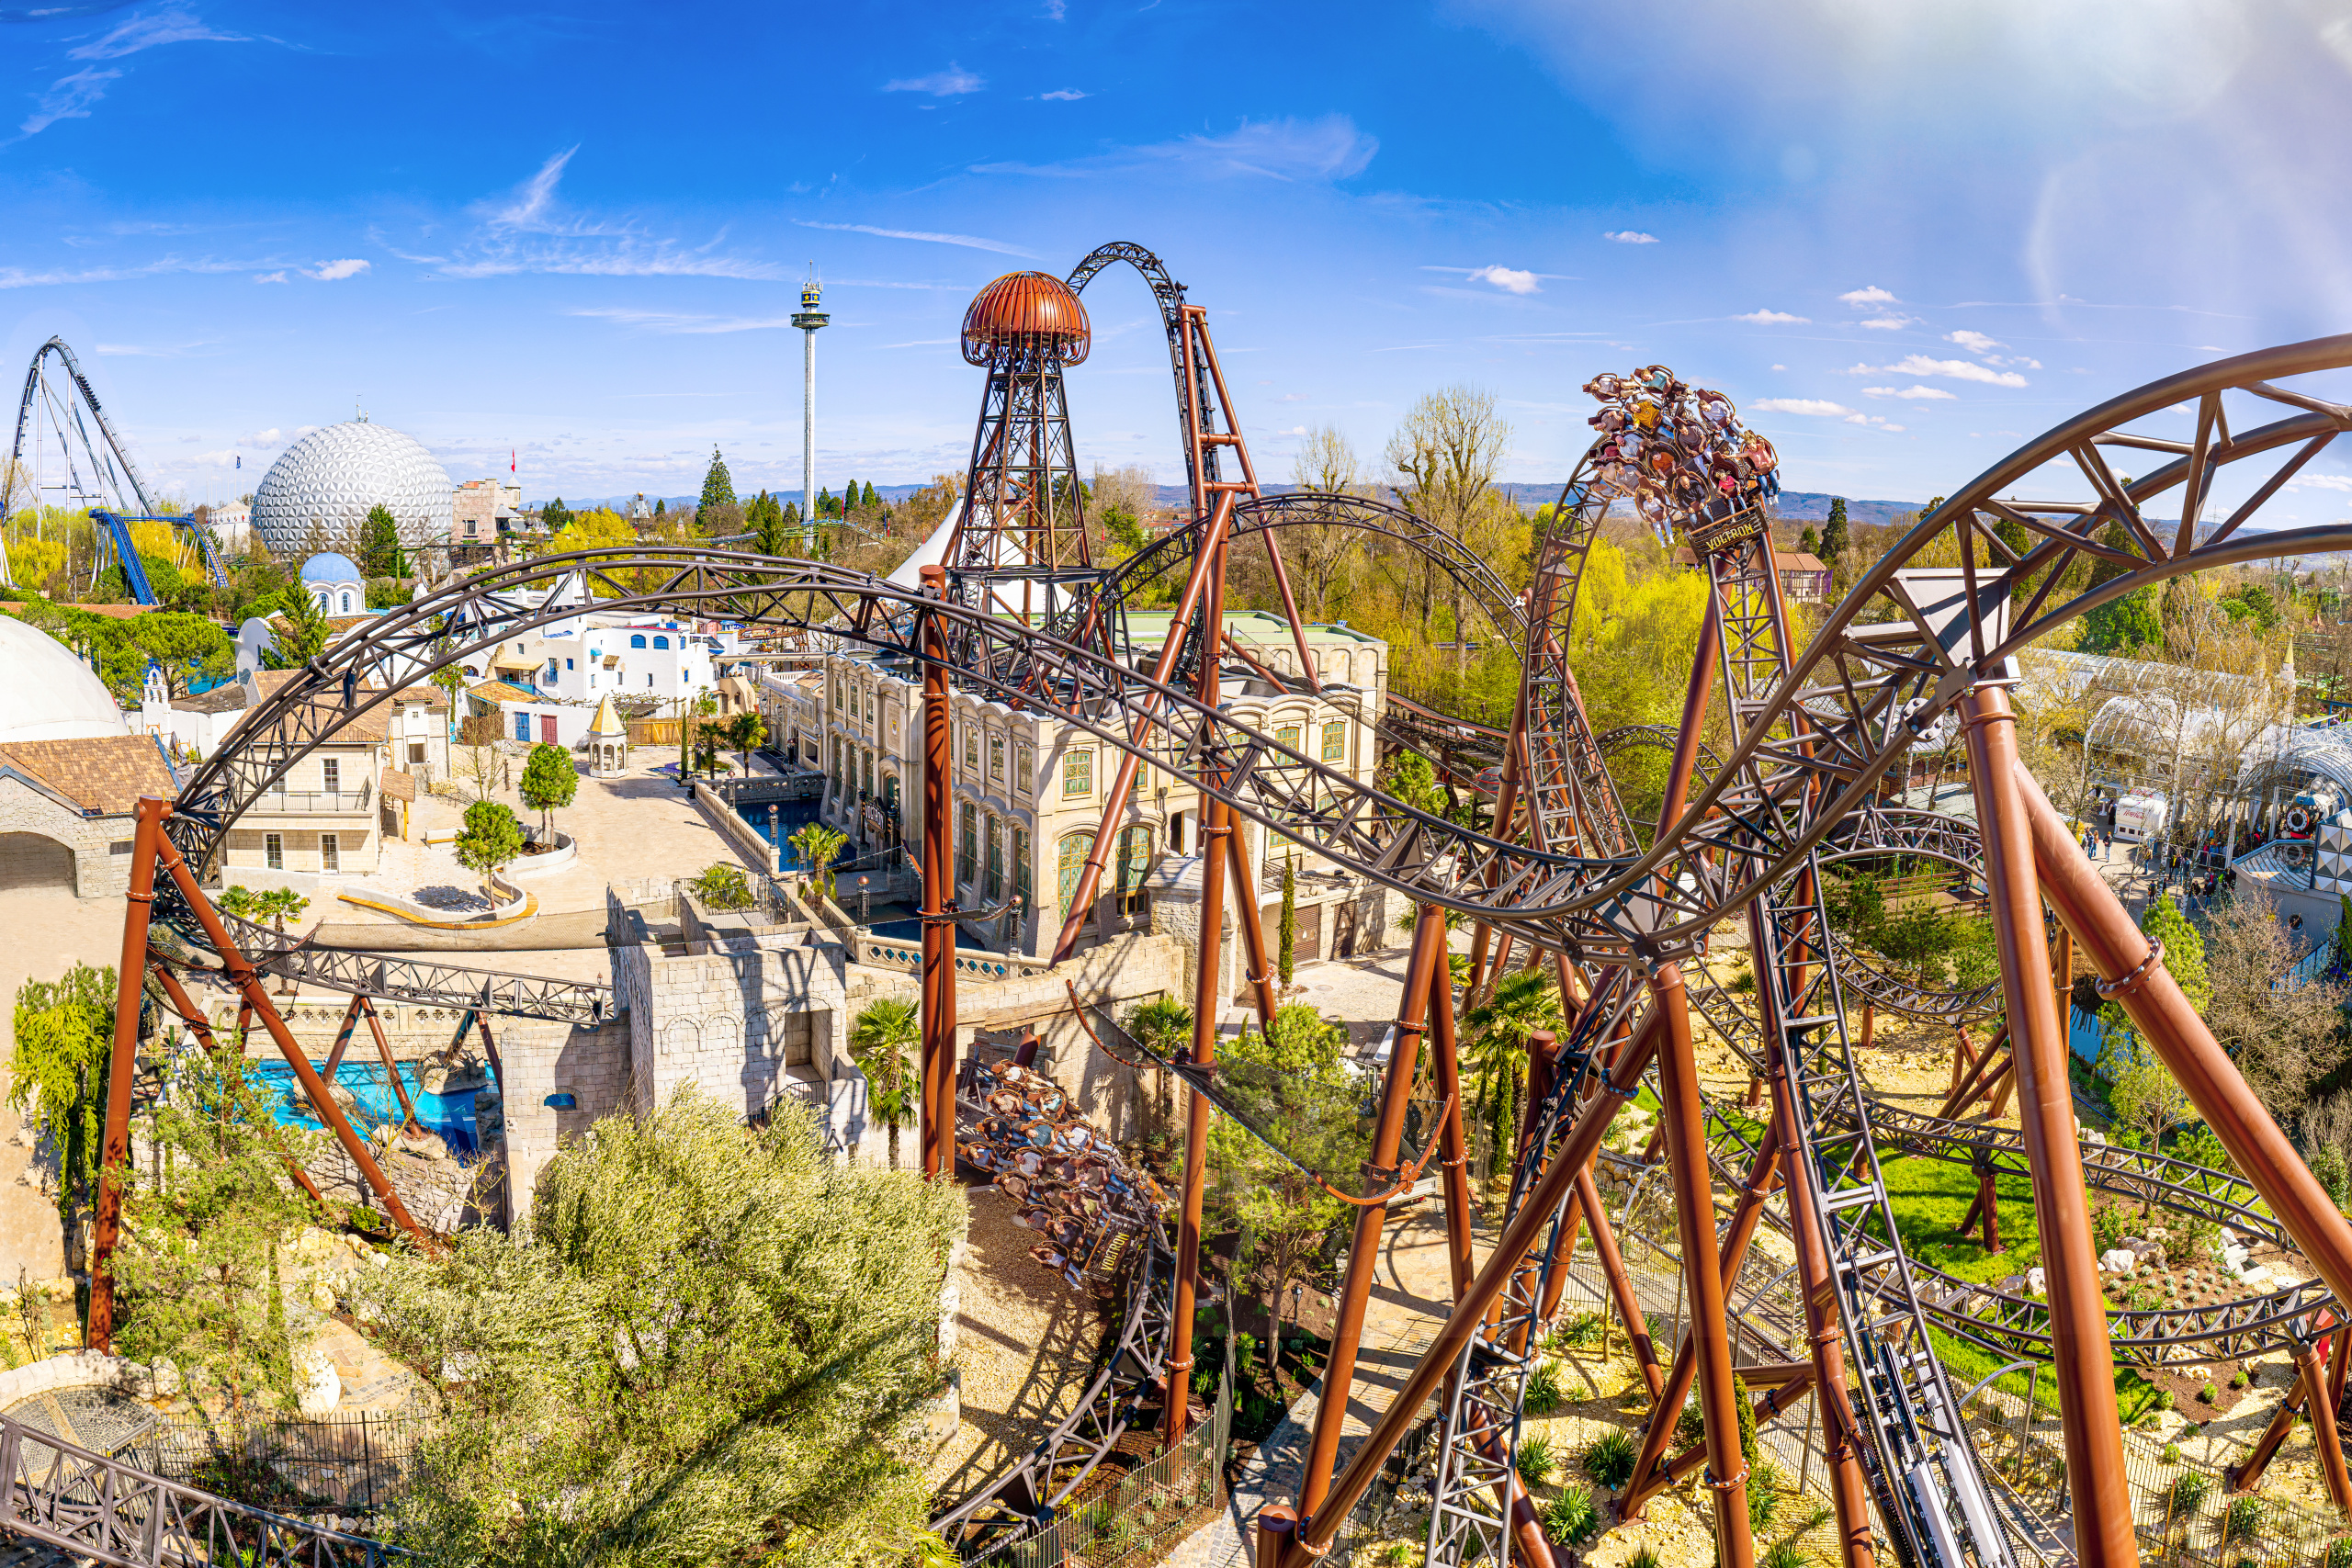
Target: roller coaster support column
x=122, y=1065
x=184, y=1005
x=1253, y=926
x=1524, y=1232
x=1506, y=807
x=938, y=879
x=1453, y=1147
x=1422, y=971
x=1208, y=999
x=1682, y=1117
x=2083, y=1356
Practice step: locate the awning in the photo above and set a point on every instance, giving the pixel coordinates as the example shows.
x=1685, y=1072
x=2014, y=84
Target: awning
x=514, y=663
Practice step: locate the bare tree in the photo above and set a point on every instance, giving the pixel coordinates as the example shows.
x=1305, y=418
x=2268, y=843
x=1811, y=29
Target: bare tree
x=1444, y=458
x=1127, y=489
x=2285, y=1038
x=1326, y=462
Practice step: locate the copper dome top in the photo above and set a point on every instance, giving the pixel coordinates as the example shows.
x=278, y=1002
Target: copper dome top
x=1023, y=309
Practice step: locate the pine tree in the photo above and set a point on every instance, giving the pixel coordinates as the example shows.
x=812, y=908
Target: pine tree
x=304, y=632
x=849, y=498
x=871, y=499
x=1809, y=541
x=380, y=545
x=1833, y=537
x=660, y=508
x=1286, y=959
x=824, y=503
x=717, y=486
x=555, y=517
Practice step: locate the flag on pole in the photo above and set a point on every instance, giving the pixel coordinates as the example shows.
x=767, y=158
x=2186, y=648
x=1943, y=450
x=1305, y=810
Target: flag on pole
x=510, y=460
x=241, y=462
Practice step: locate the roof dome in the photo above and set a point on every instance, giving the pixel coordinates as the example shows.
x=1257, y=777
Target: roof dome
x=332, y=476
x=329, y=567
x=50, y=694
x=1026, y=309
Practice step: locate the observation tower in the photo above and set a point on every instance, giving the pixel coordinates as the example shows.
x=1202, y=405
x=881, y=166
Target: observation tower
x=1020, y=539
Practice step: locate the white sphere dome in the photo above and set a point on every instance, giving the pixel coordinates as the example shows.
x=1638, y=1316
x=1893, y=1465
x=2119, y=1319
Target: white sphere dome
x=50, y=694
x=333, y=476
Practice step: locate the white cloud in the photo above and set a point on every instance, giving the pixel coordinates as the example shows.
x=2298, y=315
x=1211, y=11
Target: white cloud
x=1629, y=237
x=1975, y=342
x=1891, y=321
x=171, y=25
x=1873, y=294
x=269, y=277
x=971, y=241
x=335, y=270
x=2320, y=481
x=1064, y=95
x=1916, y=394
x=1816, y=407
x=526, y=232
x=1871, y=420
x=262, y=439
x=948, y=84
x=1954, y=369
x=1510, y=278
x=1779, y=367
x=1329, y=148
x=1772, y=318
x=69, y=98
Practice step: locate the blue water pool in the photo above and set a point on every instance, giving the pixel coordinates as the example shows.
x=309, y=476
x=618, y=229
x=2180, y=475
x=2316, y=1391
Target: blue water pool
x=912, y=931
x=450, y=1114
x=791, y=816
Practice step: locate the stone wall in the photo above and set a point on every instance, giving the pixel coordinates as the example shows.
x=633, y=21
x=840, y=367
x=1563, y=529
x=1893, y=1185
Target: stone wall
x=101, y=845
x=730, y=1022
x=545, y=1061
x=1175, y=892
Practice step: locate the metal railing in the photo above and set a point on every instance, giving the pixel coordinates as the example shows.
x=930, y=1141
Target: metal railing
x=310, y=802
x=345, y=1464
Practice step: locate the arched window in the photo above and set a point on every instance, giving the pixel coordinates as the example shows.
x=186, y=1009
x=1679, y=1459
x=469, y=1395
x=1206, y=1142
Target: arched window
x=637, y=642
x=346, y=601
x=661, y=642
x=993, y=888
x=1074, y=848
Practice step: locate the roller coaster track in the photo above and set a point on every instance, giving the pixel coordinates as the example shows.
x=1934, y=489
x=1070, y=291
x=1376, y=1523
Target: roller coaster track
x=1813, y=732
x=102, y=1510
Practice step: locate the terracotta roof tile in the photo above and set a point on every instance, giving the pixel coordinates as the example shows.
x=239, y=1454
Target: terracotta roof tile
x=107, y=773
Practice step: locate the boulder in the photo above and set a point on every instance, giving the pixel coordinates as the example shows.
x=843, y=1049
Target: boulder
x=320, y=1384
x=2033, y=1280
x=2120, y=1260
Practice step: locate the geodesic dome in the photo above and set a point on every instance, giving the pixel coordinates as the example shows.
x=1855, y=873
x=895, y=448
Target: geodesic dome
x=332, y=476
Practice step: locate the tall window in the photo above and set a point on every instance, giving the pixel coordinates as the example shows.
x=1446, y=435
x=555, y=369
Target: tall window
x=1287, y=737
x=272, y=851
x=993, y=888
x=331, y=775
x=1070, y=860
x=1335, y=740
x=996, y=758
x=1135, y=860
x=971, y=746
x=330, y=852
x=1078, y=774
x=1024, y=769
x=966, y=830
x=1022, y=883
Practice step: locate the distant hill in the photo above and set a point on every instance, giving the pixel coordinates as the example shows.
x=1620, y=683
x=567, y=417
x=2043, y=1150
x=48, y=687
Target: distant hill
x=1813, y=506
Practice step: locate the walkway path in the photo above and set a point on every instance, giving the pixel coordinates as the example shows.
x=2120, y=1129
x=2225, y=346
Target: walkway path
x=1410, y=1297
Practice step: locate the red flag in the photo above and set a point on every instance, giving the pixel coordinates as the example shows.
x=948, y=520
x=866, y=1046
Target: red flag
x=510, y=460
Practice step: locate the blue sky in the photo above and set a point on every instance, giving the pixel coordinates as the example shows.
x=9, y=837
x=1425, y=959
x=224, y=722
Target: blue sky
x=1904, y=238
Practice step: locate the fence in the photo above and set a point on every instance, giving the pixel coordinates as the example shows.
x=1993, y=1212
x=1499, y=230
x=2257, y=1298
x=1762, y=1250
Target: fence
x=652, y=731
x=1137, y=1517
x=339, y=1465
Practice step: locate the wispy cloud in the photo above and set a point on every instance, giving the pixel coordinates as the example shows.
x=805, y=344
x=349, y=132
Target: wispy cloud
x=69, y=98
x=1509, y=278
x=269, y=277
x=1893, y=321
x=2320, y=481
x=1772, y=318
x=335, y=270
x=950, y=83
x=1629, y=237
x=18, y=278
x=1064, y=95
x=1329, y=148
x=971, y=241
x=1872, y=421
x=679, y=323
x=1872, y=295
x=1915, y=393
x=151, y=351
x=921, y=343
x=529, y=230
x=1982, y=346
x=1951, y=369
x=1817, y=408
x=171, y=25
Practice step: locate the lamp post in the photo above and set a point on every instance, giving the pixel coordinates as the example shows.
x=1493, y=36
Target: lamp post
x=809, y=319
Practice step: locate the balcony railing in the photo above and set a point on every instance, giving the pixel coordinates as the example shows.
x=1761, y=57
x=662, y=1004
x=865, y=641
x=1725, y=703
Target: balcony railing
x=311, y=803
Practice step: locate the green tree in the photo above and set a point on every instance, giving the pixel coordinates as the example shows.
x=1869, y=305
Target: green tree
x=883, y=1043
x=771, y=534
x=818, y=847
x=1833, y=534
x=1286, y=959
x=550, y=780
x=747, y=732
x=186, y=648
x=717, y=486
x=1809, y=541
x=300, y=634
x=2122, y=625
x=1164, y=1025
x=208, y=1231
x=380, y=545
x=490, y=838
x=555, y=517
x=57, y=1074
x=661, y=507
x=870, y=498
x=709, y=1345
x=1522, y=1002
x=689, y=710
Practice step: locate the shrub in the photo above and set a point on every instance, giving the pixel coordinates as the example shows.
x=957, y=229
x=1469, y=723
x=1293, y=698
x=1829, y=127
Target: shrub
x=2172, y=1456
x=1571, y=1518
x=2164, y=1399
x=1536, y=1460
x=1746, y=1420
x=2107, y=1226
x=1691, y=1426
x=1642, y=1557
x=1609, y=1458
x=1544, y=1394
x=2339, y=1554
x=1782, y=1555
x=2207, y=1394
x=1397, y=1554
x=1585, y=1328
x=2242, y=1518
x=2189, y=1492
x=1763, y=1496
x=2239, y=1380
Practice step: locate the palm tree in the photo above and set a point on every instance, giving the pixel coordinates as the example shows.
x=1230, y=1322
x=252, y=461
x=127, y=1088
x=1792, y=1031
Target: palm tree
x=1163, y=1027
x=747, y=731
x=1524, y=1001
x=881, y=1043
x=818, y=847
